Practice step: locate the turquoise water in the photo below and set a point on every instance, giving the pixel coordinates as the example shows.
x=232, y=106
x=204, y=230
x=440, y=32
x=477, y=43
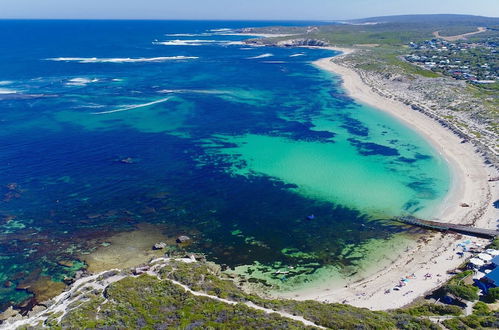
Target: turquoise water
x=350, y=171
x=106, y=125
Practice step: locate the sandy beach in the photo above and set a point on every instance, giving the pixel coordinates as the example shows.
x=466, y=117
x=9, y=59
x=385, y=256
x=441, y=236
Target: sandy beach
x=437, y=255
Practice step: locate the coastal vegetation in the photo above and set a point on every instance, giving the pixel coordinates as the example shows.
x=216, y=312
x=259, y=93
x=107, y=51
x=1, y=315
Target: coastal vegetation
x=481, y=318
x=429, y=309
x=205, y=277
x=492, y=295
x=494, y=244
x=149, y=302
x=157, y=300
x=458, y=287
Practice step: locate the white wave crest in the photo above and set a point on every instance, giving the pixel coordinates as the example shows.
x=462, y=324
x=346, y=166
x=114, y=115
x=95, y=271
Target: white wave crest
x=120, y=60
x=261, y=56
x=188, y=34
x=296, y=55
x=235, y=43
x=196, y=42
x=132, y=107
x=7, y=91
x=221, y=30
x=195, y=91
x=6, y=82
x=81, y=81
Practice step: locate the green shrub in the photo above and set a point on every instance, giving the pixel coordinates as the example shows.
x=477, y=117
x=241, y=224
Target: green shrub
x=454, y=324
x=433, y=309
x=481, y=308
x=482, y=318
x=494, y=244
x=493, y=295
x=458, y=288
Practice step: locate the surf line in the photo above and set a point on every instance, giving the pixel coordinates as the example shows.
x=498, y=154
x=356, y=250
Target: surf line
x=132, y=107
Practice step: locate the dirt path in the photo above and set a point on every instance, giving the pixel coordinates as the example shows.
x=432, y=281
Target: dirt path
x=64, y=300
x=250, y=305
x=459, y=36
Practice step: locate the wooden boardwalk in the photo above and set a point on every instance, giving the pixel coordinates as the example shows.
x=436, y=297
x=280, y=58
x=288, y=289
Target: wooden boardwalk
x=442, y=226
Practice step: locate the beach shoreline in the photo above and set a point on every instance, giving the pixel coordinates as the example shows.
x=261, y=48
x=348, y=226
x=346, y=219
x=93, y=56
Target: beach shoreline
x=437, y=254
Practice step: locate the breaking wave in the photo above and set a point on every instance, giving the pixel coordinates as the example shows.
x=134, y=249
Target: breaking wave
x=221, y=30
x=120, y=60
x=7, y=91
x=132, y=107
x=188, y=34
x=195, y=91
x=196, y=42
x=261, y=56
x=81, y=81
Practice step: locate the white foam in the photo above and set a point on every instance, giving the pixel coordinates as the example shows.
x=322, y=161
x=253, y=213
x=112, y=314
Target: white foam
x=274, y=62
x=261, y=56
x=195, y=42
x=296, y=55
x=132, y=107
x=120, y=60
x=221, y=30
x=239, y=43
x=81, y=81
x=92, y=106
x=7, y=91
x=188, y=34
x=196, y=91
x=6, y=82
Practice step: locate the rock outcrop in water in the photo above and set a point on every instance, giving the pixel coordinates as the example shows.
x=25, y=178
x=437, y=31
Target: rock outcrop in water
x=159, y=246
x=183, y=239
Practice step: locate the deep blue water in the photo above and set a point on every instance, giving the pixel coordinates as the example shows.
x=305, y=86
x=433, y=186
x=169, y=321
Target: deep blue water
x=102, y=127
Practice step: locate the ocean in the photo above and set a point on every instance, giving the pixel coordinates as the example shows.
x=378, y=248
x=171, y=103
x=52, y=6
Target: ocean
x=256, y=154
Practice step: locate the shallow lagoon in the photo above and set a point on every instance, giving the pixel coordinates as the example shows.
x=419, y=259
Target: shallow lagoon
x=222, y=144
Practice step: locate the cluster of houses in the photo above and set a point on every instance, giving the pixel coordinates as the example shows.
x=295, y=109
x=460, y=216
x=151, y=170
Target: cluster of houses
x=475, y=62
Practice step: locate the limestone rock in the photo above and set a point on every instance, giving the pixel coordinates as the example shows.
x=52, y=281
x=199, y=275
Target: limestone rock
x=159, y=246
x=8, y=313
x=183, y=239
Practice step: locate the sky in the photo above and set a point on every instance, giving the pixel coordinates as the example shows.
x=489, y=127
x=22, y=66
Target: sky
x=240, y=9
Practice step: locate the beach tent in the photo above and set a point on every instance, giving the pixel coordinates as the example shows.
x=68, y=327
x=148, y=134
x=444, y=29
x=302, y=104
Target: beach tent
x=484, y=256
x=477, y=262
x=493, y=252
x=493, y=277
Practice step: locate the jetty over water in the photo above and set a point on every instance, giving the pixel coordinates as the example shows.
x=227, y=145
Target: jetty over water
x=443, y=226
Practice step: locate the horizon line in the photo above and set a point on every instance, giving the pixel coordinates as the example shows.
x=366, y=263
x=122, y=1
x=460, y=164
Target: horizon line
x=230, y=19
